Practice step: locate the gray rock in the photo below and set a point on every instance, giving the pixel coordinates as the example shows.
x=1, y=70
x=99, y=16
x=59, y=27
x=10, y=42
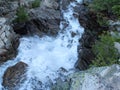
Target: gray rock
x=114, y=25
x=7, y=38
x=42, y=21
x=53, y=4
x=45, y=21
x=117, y=46
x=97, y=78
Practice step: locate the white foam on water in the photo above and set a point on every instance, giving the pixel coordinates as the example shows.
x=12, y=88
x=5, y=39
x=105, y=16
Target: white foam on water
x=46, y=55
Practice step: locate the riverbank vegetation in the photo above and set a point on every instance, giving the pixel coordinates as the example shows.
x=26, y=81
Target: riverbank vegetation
x=104, y=50
x=108, y=7
x=22, y=15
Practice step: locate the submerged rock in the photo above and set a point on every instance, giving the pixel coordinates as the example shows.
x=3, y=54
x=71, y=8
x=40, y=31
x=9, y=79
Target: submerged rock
x=14, y=76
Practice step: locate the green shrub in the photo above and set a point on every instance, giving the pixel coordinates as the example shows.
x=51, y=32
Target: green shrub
x=22, y=15
x=106, y=6
x=36, y=3
x=116, y=10
x=100, y=5
x=106, y=53
x=102, y=20
x=97, y=5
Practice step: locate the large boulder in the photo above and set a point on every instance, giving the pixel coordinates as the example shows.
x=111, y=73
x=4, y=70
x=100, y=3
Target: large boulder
x=45, y=21
x=14, y=76
x=42, y=20
x=97, y=78
x=102, y=78
x=8, y=41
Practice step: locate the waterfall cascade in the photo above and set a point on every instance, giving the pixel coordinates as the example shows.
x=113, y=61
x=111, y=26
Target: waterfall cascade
x=47, y=55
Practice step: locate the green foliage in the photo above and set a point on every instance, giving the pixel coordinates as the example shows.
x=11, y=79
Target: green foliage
x=36, y=3
x=116, y=37
x=102, y=20
x=116, y=10
x=100, y=5
x=106, y=53
x=97, y=5
x=22, y=15
x=106, y=6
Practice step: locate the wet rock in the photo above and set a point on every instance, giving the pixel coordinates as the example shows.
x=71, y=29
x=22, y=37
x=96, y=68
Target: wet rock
x=88, y=20
x=14, y=75
x=85, y=58
x=88, y=39
x=35, y=84
x=64, y=4
x=7, y=41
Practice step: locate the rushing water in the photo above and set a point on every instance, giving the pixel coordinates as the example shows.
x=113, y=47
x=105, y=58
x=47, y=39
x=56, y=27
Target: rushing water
x=45, y=56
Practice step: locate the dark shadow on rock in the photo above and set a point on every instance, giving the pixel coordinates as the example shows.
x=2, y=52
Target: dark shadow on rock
x=20, y=28
x=88, y=20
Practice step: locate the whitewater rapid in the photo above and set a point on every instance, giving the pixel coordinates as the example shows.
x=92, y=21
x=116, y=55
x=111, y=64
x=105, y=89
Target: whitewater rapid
x=47, y=55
